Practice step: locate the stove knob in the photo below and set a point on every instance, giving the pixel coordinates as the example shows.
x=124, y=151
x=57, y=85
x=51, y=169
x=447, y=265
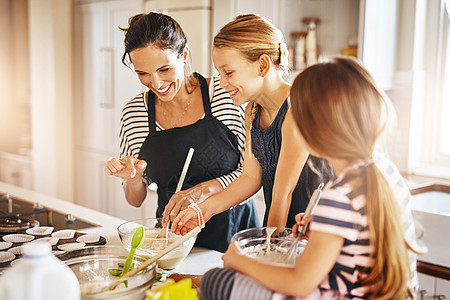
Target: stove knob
x=70, y=218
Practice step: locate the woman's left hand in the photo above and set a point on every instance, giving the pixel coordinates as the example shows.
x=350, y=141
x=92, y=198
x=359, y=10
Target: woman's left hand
x=229, y=257
x=196, y=194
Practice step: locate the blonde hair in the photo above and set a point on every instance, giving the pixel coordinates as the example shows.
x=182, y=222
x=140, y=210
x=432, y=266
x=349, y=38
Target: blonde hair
x=341, y=114
x=254, y=36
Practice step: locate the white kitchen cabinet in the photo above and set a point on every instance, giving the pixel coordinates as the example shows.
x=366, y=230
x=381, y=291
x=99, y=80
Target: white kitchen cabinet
x=433, y=288
x=104, y=193
x=102, y=83
x=16, y=169
x=194, y=17
x=442, y=290
x=102, y=87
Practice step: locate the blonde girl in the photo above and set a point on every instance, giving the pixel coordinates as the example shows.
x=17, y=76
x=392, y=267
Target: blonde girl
x=251, y=57
x=357, y=247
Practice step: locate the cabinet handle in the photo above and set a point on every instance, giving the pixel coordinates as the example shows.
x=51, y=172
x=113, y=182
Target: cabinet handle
x=440, y=297
x=106, y=99
x=421, y=294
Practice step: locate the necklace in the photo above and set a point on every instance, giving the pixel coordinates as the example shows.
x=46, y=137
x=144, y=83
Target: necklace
x=179, y=119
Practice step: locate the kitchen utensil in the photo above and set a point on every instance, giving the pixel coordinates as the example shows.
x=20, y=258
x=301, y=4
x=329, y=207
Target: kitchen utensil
x=136, y=242
x=71, y=246
x=290, y=255
x=152, y=244
x=18, y=238
x=187, y=162
x=5, y=245
x=154, y=258
x=89, y=238
x=256, y=244
x=64, y=234
x=42, y=230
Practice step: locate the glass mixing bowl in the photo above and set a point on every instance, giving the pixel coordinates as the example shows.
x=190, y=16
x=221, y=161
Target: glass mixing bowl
x=269, y=244
x=153, y=243
x=91, y=266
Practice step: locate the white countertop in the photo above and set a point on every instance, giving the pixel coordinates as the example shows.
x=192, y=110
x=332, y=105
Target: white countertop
x=196, y=263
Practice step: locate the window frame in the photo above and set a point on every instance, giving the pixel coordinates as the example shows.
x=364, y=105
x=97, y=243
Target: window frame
x=426, y=158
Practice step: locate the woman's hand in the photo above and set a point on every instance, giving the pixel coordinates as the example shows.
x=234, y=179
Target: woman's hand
x=126, y=168
x=301, y=221
x=181, y=201
x=229, y=257
x=196, y=194
x=131, y=169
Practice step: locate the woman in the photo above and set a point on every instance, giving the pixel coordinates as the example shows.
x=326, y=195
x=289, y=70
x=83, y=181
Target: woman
x=362, y=227
x=251, y=57
x=177, y=113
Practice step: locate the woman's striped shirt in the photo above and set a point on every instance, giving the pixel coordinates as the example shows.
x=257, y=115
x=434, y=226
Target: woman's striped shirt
x=134, y=124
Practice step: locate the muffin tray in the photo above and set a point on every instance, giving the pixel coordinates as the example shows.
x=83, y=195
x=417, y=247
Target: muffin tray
x=62, y=239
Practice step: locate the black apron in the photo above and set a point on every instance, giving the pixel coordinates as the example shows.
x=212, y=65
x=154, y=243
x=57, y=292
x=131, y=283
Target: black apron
x=216, y=154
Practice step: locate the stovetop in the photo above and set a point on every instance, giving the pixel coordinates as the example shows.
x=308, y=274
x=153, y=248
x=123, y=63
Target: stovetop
x=13, y=206
x=17, y=215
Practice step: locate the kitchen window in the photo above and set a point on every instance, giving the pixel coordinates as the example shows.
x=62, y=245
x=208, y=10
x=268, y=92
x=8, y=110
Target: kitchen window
x=431, y=147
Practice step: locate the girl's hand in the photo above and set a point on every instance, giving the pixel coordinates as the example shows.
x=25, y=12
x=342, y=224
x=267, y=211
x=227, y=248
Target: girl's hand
x=229, y=257
x=185, y=221
x=180, y=201
x=126, y=168
x=301, y=221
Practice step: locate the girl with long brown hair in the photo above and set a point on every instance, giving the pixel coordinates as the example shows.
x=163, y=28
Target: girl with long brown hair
x=362, y=229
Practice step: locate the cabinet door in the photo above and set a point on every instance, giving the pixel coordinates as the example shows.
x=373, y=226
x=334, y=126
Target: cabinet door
x=90, y=44
x=102, y=87
x=103, y=84
x=426, y=286
x=16, y=170
x=442, y=289
x=125, y=84
x=104, y=193
x=194, y=17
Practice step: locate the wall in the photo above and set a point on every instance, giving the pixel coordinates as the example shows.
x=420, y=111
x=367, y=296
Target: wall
x=14, y=77
x=339, y=18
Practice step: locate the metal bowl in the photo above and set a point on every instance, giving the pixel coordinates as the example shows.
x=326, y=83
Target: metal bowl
x=91, y=266
x=269, y=244
x=153, y=244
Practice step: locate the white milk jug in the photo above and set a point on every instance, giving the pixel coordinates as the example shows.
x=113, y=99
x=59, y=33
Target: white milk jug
x=39, y=275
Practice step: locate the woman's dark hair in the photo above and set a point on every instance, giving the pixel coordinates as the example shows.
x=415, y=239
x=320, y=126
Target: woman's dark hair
x=159, y=30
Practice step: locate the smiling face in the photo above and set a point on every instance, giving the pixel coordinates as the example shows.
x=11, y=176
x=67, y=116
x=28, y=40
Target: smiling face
x=238, y=76
x=162, y=71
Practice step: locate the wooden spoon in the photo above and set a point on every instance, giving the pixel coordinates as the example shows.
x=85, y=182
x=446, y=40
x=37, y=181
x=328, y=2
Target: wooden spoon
x=187, y=162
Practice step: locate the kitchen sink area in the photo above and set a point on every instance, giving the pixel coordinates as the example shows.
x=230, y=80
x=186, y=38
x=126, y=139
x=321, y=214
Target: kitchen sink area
x=431, y=209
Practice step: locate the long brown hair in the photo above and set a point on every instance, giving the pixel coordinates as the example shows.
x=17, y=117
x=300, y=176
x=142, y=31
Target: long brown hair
x=341, y=114
x=161, y=31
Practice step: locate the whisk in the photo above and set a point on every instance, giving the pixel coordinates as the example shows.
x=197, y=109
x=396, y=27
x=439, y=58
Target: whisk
x=290, y=254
